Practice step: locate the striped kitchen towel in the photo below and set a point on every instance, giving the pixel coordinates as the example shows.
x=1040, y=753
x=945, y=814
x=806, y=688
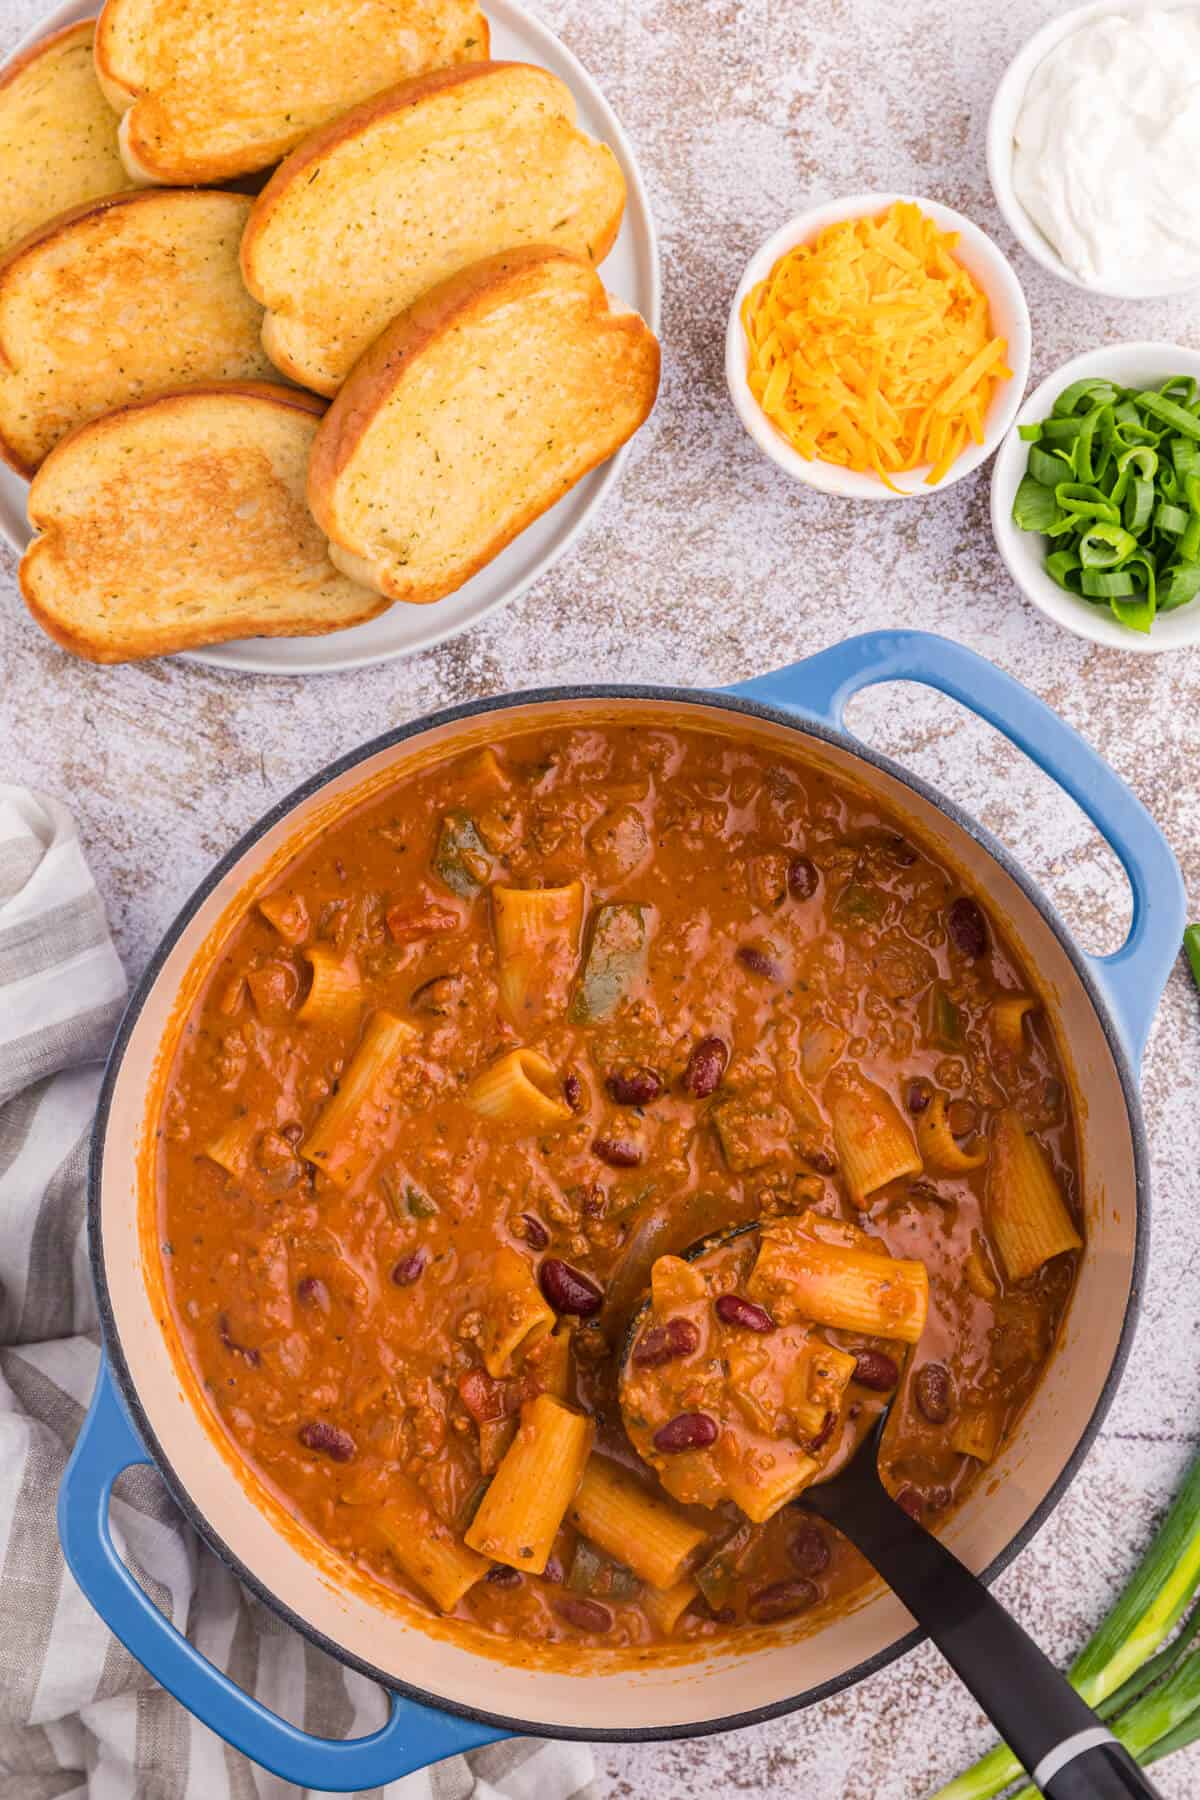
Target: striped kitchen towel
x=78, y=1717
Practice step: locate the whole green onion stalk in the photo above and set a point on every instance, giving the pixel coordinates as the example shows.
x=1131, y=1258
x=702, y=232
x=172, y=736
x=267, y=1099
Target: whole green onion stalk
x=1152, y=1694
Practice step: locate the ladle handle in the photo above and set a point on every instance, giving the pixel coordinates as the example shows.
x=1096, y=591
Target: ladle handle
x=1068, y=1752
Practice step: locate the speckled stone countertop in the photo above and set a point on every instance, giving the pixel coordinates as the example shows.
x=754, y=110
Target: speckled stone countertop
x=707, y=567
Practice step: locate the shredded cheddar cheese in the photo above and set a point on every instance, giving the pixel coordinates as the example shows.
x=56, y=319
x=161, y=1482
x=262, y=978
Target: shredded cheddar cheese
x=872, y=347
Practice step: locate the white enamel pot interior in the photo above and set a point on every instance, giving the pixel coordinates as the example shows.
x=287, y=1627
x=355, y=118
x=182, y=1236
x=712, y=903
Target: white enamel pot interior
x=746, y=1681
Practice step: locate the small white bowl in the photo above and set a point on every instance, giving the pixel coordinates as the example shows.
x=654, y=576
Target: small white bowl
x=1002, y=124
x=1010, y=318
x=1024, y=552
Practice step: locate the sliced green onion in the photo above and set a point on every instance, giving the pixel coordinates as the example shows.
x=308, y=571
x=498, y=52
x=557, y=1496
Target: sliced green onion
x=1085, y=498
x=1171, y=414
x=1171, y=519
x=1139, y=504
x=1180, y=585
x=1106, y=547
x=1191, y=943
x=1092, y=390
x=1061, y=566
x=1110, y=584
x=1049, y=466
x=1034, y=506
x=1113, y=483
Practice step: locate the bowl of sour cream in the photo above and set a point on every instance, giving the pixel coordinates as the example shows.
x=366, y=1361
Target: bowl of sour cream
x=1093, y=147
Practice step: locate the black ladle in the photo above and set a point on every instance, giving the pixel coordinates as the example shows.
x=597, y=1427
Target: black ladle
x=1068, y=1752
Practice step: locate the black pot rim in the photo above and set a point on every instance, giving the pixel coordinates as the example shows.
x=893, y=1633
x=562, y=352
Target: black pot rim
x=704, y=699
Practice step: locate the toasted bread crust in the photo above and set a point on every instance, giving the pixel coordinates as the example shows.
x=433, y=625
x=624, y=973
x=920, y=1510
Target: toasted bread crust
x=157, y=146
x=52, y=385
x=379, y=372
x=316, y=346
x=58, y=40
x=88, y=163
x=148, y=639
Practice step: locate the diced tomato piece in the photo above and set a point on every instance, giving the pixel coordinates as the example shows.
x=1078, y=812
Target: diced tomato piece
x=407, y=923
x=487, y=1399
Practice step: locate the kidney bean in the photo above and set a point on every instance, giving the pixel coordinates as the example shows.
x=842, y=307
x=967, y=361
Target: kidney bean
x=911, y=1501
x=331, y=1440
x=573, y=1092
x=920, y=1093
x=935, y=1394
x=501, y=1576
x=585, y=1615
x=536, y=1235
x=872, y=1369
x=759, y=963
x=705, y=1068
x=732, y=1309
x=968, y=928
x=568, y=1290
x=781, y=1600
x=802, y=878
x=311, y=1291
x=665, y=1343
x=250, y=1357
x=410, y=1268
x=435, y=995
x=687, y=1431
x=810, y=1550
x=634, y=1085
x=618, y=1153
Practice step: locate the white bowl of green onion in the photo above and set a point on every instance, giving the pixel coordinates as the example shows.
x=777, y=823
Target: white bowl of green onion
x=1096, y=497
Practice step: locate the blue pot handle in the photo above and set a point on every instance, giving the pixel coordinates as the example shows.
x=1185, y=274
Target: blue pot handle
x=1133, y=978
x=413, y=1736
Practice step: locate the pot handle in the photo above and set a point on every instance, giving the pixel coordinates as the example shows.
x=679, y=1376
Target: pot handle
x=1132, y=978
x=413, y=1737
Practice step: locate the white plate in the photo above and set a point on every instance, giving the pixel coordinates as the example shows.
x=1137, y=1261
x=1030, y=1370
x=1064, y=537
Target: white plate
x=631, y=271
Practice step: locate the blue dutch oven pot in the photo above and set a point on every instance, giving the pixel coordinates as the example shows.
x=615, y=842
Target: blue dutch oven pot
x=445, y=1696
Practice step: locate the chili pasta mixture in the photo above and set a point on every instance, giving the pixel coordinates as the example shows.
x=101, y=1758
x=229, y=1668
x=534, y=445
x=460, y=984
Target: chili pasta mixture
x=492, y=1054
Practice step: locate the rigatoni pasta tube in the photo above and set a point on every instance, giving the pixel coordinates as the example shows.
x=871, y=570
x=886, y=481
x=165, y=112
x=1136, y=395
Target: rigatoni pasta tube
x=514, y=1312
x=335, y=992
x=666, y=1606
x=519, y=1088
x=352, y=1131
x=638, y=1528
x=425, y=1548
x=874, y=1145
x=976, y=1433
x=760, y=1484
x=816, y=1385
x=831, y=1284
x=527, y=1501
x=1027, y=1214
x=233, y=1148
x=1009, y=1014
x=537, y=938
